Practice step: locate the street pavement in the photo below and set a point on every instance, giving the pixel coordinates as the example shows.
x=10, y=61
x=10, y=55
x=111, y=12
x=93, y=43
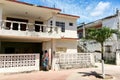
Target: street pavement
x=69, y=74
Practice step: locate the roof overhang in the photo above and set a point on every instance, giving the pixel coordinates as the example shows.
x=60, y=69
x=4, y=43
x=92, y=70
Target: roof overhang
x=34, y=5
x=68, y=15
x=23, y=39
x=21, y=9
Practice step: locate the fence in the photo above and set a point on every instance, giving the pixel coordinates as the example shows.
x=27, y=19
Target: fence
x=18, y=62
x=76, y=60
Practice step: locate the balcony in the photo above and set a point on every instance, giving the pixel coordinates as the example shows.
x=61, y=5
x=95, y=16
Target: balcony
x=14, y=28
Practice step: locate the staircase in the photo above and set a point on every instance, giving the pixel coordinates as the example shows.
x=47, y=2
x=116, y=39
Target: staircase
x=82, y=46
x=88, y=46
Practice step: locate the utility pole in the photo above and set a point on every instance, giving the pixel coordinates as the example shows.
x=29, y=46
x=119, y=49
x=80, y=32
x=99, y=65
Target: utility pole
x=83, y=29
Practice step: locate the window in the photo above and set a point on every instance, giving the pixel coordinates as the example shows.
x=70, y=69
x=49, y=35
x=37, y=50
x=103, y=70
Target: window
x=51, y=23
x=37, y=26
x=70, y=24
x=62, y=25
x=15, y=25
x=80, y=35
x=108, y=48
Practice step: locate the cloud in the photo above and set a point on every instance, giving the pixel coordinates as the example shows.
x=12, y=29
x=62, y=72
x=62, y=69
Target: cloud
x=87, y=10
x=100, y=8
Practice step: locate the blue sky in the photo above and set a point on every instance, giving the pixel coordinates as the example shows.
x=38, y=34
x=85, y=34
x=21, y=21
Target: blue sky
x=88, y=10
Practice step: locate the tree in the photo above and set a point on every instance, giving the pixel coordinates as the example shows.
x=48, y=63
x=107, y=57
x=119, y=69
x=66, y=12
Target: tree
x=100, y=36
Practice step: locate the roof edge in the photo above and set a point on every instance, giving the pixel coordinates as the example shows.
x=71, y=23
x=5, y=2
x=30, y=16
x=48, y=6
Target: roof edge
x=69, y=38
x=69, y=15
x=33, y=5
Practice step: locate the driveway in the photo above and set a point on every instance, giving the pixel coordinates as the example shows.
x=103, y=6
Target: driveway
x=70, y=74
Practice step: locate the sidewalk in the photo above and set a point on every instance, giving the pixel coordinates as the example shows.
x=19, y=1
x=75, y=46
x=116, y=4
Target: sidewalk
x=71, y=74
x=92, y=73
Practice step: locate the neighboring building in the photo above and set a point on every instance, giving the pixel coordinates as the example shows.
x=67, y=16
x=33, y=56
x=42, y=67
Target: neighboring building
x=112, y=44
x=27, y=30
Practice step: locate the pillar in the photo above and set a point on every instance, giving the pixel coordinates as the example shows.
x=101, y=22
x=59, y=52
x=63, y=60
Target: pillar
x=118, y=23
x=1, y=10
x=54, y=19
x=0, y=47
x=53, y=47
x=83, y=30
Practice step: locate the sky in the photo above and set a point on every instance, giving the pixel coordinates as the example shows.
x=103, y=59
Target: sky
x=88, y=10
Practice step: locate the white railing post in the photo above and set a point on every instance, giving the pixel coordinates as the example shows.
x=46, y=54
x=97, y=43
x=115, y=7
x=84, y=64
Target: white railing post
x=19, y=26
x=2, y=24
x=27, y=27
x=40, y=28
x=18, y=29
x=1, y=13
x=11, y=26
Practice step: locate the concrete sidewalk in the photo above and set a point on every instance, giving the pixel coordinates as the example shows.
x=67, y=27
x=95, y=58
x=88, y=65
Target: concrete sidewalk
x=71, y=74
x=94, y=73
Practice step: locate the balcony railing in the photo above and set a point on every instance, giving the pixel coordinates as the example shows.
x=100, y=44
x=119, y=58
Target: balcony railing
x=23, y=26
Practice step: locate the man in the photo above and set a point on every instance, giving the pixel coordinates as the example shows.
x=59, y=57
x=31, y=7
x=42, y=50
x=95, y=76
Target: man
x=46, y=60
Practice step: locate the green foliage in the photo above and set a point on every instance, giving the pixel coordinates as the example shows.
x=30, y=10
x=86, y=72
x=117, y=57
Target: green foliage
x=100, y=35
x=110, y=61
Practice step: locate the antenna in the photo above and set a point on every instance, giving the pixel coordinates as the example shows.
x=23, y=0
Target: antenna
x=117, y=11
x=63, y=10
x=54, y=5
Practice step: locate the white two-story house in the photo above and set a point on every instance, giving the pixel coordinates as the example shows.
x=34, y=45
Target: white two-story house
x=112, y=44
x=27, y=30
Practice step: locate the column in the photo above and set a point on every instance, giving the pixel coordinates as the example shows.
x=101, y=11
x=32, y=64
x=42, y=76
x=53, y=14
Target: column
x=54, y=22
x=118, y=24
x=54, y=19
x=0, y=15
x=117, y=42
x=0, y=47
x=83, y=30
x=53, y=47
x=19, y=26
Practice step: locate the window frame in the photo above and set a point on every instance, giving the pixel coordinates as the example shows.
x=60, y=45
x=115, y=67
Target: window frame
x=61, y=24
x=70, y=24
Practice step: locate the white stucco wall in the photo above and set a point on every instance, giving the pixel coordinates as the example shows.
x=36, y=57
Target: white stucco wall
x=71, y=45
x=47, y=46
x=111, y=22
x=119, y=19
x=70, y=31
x=1, y=13
x=67, y=21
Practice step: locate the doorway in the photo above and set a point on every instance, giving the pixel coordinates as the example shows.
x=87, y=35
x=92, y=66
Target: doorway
x=9, y=50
